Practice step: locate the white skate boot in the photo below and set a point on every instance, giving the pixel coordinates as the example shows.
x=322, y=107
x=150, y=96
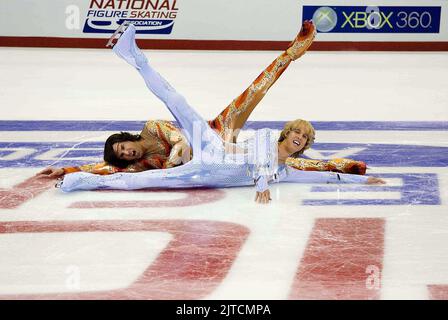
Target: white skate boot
x=126, y=47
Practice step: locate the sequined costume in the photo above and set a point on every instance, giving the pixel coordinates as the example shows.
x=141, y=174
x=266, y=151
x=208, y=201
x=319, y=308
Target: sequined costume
x=226, y=124
x=161, y=134
x=235, y=115
x=252, y=162
x=233, y=118
x=341, y=165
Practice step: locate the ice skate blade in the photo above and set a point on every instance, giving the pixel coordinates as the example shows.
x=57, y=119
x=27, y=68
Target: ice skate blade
x=59, y=183
x=117, y=34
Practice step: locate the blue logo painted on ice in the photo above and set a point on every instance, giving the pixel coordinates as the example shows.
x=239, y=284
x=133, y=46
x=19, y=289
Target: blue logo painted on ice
x=39, y=154
x=405, y=186
x=412, y=189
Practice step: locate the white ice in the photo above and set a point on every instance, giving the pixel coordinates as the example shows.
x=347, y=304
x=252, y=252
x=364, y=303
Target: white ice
x=79, y=84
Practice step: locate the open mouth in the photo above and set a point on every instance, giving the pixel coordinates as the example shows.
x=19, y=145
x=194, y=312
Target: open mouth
x=134, y=153
x=296, y=142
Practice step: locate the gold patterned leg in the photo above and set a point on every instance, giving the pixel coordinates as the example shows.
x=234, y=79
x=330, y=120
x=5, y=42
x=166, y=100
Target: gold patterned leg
x=229, y=122
x=233, y=118
x=303, y=41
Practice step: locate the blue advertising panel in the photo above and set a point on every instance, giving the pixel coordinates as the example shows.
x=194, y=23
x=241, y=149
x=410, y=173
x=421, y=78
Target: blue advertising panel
x=374, y=19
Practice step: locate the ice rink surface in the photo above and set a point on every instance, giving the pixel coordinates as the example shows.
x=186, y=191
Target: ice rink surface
x=311, y=242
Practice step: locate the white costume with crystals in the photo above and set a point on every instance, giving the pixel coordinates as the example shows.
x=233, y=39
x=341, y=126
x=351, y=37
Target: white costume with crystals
x=214, y=163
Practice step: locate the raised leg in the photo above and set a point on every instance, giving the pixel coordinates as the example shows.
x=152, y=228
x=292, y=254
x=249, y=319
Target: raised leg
x=229, y=122
x=195, y=127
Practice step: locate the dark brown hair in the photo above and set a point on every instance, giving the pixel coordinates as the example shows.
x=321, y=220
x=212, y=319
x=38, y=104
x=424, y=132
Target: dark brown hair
x=109, y=153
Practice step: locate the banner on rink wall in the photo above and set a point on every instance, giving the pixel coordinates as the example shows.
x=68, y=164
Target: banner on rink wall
x=149, y=17
x=230, y=24
x=374, y=19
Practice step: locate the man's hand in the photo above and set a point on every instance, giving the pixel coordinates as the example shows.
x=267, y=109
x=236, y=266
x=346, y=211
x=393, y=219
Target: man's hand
x=373, y=180
x=50, y=173
x=180, y=153
x=263, y=197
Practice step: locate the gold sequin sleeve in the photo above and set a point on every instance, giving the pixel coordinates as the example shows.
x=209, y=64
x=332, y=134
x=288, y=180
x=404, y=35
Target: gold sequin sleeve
x=168, y=133
x=167, y=136
x=103, y=168
x=336, y=165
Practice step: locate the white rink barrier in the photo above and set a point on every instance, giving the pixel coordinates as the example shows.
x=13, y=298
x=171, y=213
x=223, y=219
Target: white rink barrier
x=230, y=24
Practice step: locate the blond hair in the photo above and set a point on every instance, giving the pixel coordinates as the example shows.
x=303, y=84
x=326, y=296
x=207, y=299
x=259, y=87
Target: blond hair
x=291, y=126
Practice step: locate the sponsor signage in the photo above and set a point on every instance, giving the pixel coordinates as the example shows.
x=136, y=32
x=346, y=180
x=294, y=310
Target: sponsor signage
x=148, y=16
x=374, y=19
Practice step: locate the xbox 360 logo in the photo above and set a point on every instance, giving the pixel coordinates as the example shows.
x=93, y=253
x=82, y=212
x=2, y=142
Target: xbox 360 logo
x=325, y=19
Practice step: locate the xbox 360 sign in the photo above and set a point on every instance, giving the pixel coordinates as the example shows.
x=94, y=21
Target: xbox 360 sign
x=361, y=19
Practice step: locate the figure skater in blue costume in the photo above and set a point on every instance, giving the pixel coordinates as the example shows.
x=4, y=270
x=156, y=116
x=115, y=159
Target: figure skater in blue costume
x=215, y=163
